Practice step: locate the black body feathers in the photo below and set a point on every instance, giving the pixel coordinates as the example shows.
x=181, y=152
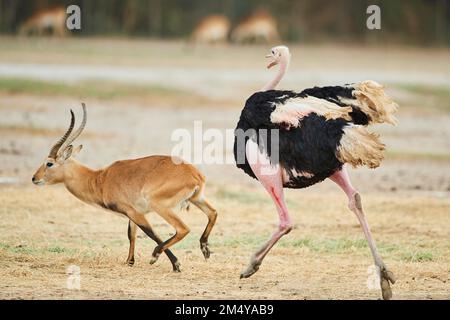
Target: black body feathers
x=306, y=152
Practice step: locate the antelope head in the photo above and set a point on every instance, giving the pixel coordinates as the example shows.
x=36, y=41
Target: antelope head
x=53, y=169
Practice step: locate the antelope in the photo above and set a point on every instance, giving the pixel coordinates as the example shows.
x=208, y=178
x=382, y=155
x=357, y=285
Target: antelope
x=212, y=29
x=51, y=20
x=132, y=188
x=260, y=26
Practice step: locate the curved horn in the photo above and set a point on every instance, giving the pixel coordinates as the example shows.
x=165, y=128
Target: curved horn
x=57, y=145
x=75, y=134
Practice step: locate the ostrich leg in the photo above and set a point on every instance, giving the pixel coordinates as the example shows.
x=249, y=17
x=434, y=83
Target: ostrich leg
x=270, y=177
x=342, y=179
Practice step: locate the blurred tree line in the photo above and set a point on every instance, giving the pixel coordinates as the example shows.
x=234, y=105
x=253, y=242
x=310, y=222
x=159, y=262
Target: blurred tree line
x=424, y=22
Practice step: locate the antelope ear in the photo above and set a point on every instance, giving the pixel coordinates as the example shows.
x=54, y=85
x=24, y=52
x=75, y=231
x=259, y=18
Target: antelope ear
x=66, y=154
x=76, y=150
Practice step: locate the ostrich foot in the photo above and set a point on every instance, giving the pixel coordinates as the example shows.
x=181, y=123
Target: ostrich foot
x=205, y=250
x=251, y=269
x=386, y=277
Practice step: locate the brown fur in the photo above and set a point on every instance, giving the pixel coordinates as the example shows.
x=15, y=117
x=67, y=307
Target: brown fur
x=211, y=29
x=374, y=102
x=41, y=21
x=360, y=147
x=133, y=188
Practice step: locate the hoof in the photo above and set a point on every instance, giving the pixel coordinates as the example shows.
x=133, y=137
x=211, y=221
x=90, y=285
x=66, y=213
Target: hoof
x=251, y=269
x=154, y=259
x=130, y=262
x=176, y=266
x=205, y=250
x=386, y=279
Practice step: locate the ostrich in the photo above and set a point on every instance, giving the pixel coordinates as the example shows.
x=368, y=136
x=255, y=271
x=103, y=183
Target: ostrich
x=319, y=130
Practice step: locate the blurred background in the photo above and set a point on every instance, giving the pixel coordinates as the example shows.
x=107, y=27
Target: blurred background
x=147, y=68
x=420, y=22
x=159, y=56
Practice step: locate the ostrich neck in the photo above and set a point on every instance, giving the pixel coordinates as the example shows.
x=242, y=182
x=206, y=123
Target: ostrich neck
x=271, y=85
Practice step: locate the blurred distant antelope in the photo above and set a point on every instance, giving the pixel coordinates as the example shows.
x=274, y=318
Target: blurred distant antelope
x=132, y=188
x=211, y=29
x=50, y=21
x=259, y=27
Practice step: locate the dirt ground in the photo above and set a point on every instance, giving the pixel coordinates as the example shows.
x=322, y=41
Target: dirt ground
x=138, y=92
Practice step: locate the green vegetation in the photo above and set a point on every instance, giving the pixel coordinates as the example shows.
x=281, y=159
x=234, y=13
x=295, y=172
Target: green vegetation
x=418, y=256
x=90, y=89
x=319, y=245
x=247, y=197
x=413, y=155
x=32, y=250
x=421, y=22
x=342, y=245
x=437, y=92
x=244, y=197
x=327, y=245
x=427, y=97
x=58, y=249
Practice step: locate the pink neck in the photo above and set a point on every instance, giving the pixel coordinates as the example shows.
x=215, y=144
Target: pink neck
x=271, y=85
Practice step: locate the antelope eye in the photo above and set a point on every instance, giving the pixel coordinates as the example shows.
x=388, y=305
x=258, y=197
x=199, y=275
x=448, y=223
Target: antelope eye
x=273, y=52
x=49, y=164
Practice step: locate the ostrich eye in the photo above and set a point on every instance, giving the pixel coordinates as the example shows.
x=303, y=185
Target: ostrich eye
x=49, y=164
x=273, y=52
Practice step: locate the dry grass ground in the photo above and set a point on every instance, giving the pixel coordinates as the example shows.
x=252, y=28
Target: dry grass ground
x=43, y=230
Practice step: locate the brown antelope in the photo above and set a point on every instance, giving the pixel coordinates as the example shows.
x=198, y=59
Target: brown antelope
x=211, y=29
x=132, y=188
x=259, y=27
x=50, y=20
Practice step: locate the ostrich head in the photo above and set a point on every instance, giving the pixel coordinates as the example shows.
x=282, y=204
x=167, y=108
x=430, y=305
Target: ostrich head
x=278, y=55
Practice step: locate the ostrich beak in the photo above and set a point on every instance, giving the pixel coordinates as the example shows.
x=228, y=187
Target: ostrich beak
x=271, y=63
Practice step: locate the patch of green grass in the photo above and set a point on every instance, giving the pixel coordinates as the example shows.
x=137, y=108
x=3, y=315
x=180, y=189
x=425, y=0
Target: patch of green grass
x=91, y=89
x=301, y=243
x=413, y=155
x=23, y=250
x=343, y=244
x=245, y=240
x=31, y=250
x=4, y=246
x=250, y=240
x=247, y=197
x=319, y=245
x=438, y=92
x=17, y=249
x=243, y=197
x=58, y=249
x=434, y=97
x=387, y=249
x=118, y=242
x=326, y=245
x=418, y=256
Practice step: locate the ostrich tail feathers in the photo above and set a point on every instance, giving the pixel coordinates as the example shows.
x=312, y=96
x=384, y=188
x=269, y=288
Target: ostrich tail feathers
x=360, y=147
x=374, y=102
